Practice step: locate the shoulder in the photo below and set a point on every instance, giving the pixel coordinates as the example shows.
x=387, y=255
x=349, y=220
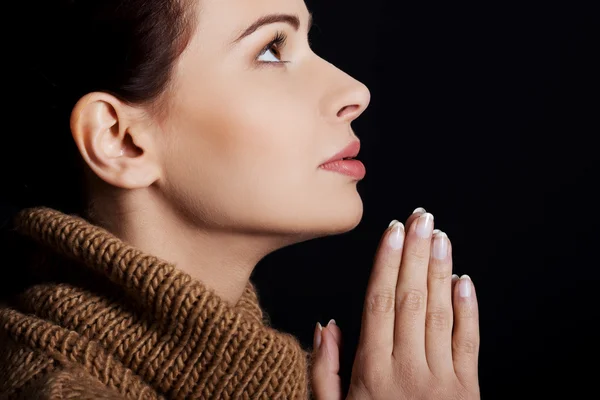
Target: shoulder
x=68, y=383
x=26, y=373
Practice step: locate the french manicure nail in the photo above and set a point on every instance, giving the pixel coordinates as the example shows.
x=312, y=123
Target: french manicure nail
x=393, y=222
x=419, y=210
x=440, y=246
x=454, y=277
x=425, y=225
x=318, y=332
x=331, y=321
x=396, y=236
x=464, y=286
x=436, y=231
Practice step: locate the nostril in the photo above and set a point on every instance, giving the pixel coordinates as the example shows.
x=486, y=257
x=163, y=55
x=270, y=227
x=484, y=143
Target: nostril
x=347, y=110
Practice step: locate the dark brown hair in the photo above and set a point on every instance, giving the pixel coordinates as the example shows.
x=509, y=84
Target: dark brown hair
x=68, y=49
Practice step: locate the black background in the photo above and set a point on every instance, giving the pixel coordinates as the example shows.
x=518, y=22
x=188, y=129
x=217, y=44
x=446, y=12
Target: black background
x=486, y=114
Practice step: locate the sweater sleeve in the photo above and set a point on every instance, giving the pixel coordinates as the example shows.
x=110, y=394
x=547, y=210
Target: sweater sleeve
x=72, y=383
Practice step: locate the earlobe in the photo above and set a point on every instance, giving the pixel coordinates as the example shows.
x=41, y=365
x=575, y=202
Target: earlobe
x=111, y=138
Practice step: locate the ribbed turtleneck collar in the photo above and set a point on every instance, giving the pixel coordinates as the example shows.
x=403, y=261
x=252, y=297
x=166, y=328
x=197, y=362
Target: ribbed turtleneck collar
x=139, y=324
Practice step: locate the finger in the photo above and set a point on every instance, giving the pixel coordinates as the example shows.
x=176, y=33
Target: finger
x=454, y=280
x=326, y=382
x=336, y=332
x=465, y=338
x=377, y=328
x=416, y=214
x=439, y=315
x=411, y=290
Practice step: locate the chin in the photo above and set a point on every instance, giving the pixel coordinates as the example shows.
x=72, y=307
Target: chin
x=342, y=217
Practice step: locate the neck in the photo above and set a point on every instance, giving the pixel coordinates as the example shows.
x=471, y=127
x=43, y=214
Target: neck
x=221, y=256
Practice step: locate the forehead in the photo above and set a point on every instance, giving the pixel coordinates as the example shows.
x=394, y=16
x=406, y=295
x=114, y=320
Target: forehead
x=225, y=20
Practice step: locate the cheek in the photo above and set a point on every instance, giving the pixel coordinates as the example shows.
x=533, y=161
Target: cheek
x=244, y=151
x=266, y=134
x=250, y=120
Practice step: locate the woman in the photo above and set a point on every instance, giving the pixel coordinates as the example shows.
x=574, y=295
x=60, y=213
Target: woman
x=203, y=130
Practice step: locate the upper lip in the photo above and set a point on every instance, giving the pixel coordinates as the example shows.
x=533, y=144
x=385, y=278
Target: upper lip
x=350, y=151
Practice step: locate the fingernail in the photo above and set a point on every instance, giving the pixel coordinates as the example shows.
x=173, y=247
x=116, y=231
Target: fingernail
x=318, y=331
x=425, y=225
x=419, y=210
x=464, y=286
x=396, y=236
x=454, y=277
x=393, y=222
x=440, y=246
x=436, y=231
x=331, y=321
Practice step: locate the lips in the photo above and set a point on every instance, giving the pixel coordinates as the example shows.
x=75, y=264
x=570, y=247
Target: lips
x=350, y=151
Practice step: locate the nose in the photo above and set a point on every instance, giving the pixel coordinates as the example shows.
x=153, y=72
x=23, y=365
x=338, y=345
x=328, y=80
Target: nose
x=345, y=98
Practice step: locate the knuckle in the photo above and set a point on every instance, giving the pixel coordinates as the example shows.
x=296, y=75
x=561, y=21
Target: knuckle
x=369, y=375
x=466, y=391
x=441, y=388
x=440, y=271
x=466, y=345
x=419, y=253
x=438, y=319
x=381, y=302
x=407, y=373
x=413, y=300
x=441, y=392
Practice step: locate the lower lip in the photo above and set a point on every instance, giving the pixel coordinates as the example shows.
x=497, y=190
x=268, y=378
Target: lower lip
x=352, y=168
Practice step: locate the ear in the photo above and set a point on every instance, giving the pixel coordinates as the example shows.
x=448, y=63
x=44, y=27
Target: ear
x=115, y=140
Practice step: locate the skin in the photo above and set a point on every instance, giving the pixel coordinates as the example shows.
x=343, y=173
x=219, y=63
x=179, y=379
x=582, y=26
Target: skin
x=230, y=172
x=419, y=335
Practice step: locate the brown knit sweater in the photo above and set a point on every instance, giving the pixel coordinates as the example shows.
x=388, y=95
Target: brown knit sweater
x=99, y=319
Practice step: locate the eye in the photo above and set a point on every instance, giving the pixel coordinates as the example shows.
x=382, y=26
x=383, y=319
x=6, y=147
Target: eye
x=274, y=49
x=272, y=58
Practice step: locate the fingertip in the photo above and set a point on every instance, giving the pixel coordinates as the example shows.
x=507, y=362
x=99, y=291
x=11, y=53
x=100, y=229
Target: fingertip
x=318, y=337
x=409, y=221
x=464, y=298
x=465, y=286
x=335, y=331
x=325, y=368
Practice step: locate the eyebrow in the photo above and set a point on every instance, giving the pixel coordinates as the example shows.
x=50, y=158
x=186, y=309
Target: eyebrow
x=293, y=20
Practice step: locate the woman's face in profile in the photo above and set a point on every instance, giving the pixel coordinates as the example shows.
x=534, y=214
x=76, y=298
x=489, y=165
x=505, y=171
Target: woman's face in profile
x=249, y=125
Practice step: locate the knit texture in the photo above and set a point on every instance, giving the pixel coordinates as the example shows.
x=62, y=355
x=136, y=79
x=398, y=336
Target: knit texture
x=101, y=319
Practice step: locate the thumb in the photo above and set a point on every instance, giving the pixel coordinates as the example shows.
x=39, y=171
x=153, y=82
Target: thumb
x=326, y=382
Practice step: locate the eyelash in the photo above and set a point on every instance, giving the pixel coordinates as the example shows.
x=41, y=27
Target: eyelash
x=278, y=42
